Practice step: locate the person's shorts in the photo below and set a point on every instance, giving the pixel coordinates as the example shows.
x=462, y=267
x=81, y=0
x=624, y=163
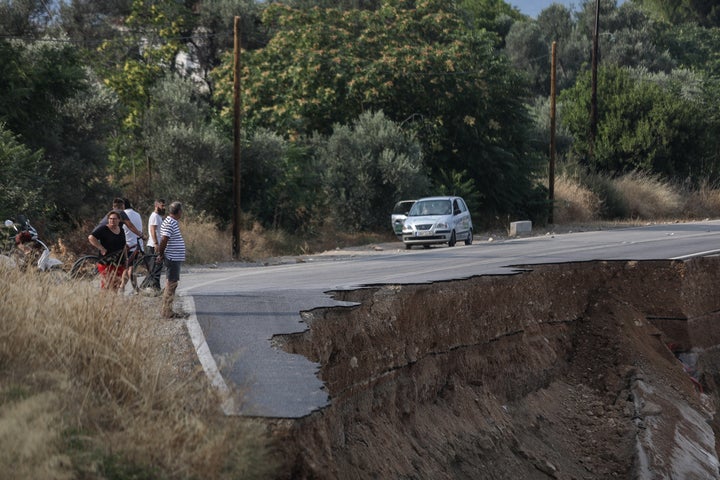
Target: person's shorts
x=108, y=271
x=173, y=270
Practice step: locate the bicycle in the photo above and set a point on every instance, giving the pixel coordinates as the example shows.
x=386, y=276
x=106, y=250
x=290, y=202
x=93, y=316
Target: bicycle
x=85, y=268
x=143, y=267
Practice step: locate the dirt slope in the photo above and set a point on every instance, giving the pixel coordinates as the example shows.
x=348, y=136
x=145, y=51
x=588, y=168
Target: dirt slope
x=564, y=371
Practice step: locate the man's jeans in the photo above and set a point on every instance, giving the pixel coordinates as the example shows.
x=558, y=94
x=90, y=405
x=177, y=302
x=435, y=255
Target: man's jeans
x=155, y=269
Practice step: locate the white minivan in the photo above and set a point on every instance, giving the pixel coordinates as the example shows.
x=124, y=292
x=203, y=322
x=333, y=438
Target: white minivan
x=434, y=220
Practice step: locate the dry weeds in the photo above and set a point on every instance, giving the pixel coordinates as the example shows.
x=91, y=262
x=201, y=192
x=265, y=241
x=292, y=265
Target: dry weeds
x=703, y=202
x=206, y=244
x=573, y=201
x=95, y=385
x=644, y=197
x=648, y=197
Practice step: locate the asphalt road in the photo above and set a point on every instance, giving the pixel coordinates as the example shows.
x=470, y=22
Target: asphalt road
x=237, y=309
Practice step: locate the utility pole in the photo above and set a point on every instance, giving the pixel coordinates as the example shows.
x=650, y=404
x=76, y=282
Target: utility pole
x=237, y=220
x=593, y=92
x=551, y=169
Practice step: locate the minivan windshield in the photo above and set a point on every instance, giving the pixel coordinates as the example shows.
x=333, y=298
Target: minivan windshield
x=431, y=207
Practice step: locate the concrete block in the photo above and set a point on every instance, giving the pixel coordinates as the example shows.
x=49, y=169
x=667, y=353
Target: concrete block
x=517, y=228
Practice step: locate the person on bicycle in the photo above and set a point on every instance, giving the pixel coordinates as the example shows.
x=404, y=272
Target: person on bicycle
x=119, y=206
x=109, y=239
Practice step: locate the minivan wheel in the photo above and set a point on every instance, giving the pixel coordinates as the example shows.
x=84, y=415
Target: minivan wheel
x=469, y=239
x=453, y=240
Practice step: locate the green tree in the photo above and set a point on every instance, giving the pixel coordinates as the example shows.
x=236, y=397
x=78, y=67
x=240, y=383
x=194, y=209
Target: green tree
x=339, y=4
x=628, y=37
x=491, y=15
x=192, y=160
x=53, y=106
x=655, y=123
x=22, y=176
x=693, y=47
x=35, y=78
x=153, y=43
x=368, y=166
x=415, y=61
x=24, y=18
x=529, y=51
x=280, y=182
x=90, y=23
x=79, y=181
x=212, y=35
x=133, y=63
x=700, y=12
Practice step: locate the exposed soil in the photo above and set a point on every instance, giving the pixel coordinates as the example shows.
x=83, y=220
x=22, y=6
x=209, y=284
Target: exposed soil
x=566, y=371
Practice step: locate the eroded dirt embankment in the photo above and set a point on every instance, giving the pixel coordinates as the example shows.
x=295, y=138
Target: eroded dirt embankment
x=561, y=371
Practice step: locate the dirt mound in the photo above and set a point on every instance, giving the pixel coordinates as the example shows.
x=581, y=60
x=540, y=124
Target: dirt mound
x=563, y=371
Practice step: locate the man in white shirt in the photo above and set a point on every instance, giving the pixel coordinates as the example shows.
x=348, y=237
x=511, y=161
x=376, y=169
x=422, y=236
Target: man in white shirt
x=154, y=222
x=133, y=241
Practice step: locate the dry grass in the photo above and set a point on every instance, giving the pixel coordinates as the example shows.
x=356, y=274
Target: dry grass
x=206, y=244
x=573, y=201
x=640, y=196
x=648, y=197
x=703, y=202
x=91, y=388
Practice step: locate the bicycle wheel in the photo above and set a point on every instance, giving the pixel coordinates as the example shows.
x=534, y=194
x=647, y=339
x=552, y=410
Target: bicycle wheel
x=143, y=268
x=85, y=268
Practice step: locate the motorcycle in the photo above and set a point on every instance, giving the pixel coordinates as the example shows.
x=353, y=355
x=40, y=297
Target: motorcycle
x=28, y=247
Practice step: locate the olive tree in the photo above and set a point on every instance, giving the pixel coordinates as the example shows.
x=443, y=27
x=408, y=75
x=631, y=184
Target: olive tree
x=366, y=167
x=22, y=176
x=656, y=123
x=192, y=160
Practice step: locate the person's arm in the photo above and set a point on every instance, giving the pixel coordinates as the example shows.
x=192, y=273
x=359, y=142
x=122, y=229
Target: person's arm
x=161, y=248
x=96, y=243
x=128, y=223
x=134, y=230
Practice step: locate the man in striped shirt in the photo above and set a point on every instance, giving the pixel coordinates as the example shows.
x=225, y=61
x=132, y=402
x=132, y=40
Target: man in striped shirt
x=171, y=250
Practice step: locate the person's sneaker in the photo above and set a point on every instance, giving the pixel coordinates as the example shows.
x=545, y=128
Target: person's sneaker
x=151, y=292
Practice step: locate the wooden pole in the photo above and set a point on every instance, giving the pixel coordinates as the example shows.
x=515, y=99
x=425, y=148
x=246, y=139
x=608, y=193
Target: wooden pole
x=237, y=220
x=551, y=169
x=593, y=92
